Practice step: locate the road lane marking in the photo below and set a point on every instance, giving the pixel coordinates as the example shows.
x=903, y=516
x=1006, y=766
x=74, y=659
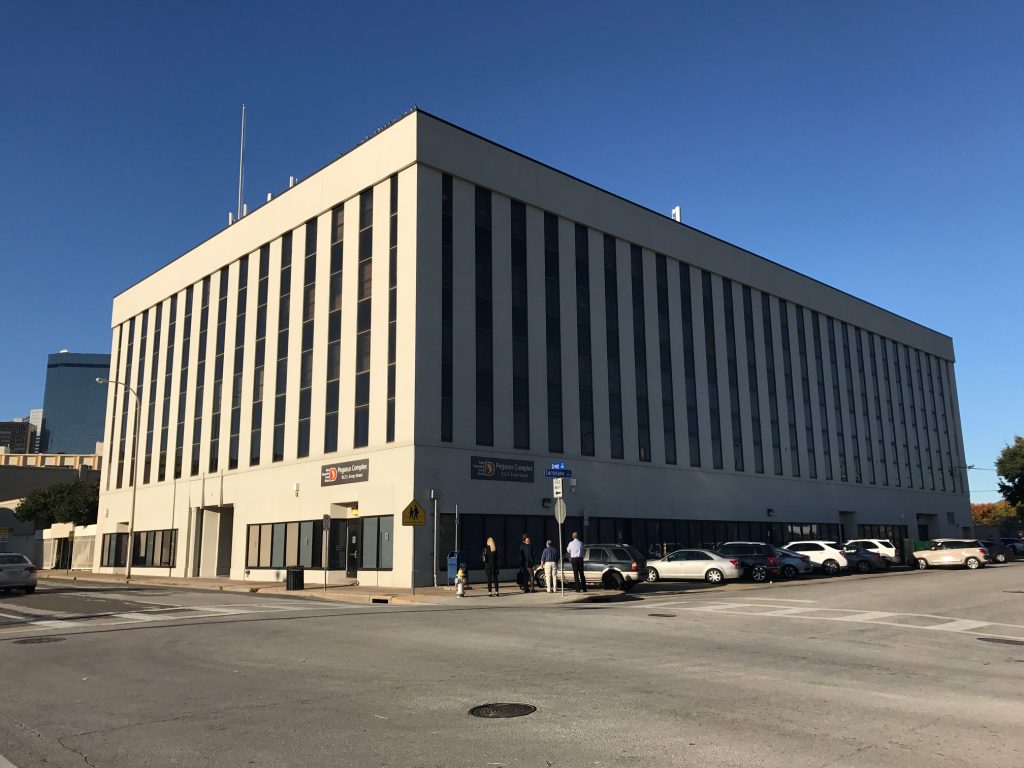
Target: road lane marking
x=867, y=616
x=883, y=618
x=770, y=599
x=961, y=625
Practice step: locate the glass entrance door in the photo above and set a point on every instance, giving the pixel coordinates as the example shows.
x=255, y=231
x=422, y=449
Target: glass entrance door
x=353, y=545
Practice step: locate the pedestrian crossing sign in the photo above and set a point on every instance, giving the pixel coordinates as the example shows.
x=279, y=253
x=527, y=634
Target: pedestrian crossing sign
x=414, y=514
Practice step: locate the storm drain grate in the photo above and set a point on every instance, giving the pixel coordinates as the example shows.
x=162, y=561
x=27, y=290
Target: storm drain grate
x=37, y=640
x=663, y=615
x=1001, y=641
x=502, y=710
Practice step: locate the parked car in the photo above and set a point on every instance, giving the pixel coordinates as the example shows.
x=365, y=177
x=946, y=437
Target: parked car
x=863, y=559
x=1017, y=545
x=968, y=553
x=793, y=564
x=612, y=566
x=882, y=547
x=17, y=572
x=757, y=559
x=997, y=551
x=685, y=564
x=827, y=555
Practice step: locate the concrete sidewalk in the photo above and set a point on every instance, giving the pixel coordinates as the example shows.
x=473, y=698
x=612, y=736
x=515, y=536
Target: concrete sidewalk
x=345, y=593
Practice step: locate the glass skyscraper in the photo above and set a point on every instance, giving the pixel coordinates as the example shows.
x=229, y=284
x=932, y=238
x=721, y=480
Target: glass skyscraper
x=73, y=403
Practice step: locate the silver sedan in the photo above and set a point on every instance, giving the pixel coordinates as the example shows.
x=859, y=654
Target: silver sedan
x=696, y=564
x=17, y=571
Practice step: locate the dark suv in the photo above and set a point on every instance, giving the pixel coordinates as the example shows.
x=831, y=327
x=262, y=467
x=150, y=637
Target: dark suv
x=757, y=559
x=612, y=566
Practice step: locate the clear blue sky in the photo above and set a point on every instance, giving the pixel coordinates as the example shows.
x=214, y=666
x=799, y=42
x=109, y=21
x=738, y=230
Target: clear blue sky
x=876, y=146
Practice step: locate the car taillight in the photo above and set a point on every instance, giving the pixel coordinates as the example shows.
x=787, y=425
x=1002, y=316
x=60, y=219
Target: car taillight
x=736, y=563
x=633, y=566
x=773, y=560
x=31, y=569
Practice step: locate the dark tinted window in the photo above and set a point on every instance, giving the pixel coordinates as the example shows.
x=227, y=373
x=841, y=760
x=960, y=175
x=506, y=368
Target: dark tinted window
x=621, y=555
x=597, y=555
x=700, y=556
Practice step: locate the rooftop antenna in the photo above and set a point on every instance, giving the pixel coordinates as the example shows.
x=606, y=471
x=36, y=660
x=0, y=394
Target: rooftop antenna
x=241, y=167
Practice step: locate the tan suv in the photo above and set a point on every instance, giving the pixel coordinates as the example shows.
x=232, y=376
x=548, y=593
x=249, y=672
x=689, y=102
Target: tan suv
x=968, y=553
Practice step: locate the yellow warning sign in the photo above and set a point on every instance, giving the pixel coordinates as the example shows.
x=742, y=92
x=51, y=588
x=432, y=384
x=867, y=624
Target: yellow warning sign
x=414, y=514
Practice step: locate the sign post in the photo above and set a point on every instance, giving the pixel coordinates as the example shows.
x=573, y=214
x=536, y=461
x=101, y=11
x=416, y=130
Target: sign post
x=326, y=546
x=560, y=518
x=414, y=515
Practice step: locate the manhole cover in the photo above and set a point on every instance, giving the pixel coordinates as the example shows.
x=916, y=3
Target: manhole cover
x=502, y=710
x=1001, y=640
x=35, y=640
x=663, y=615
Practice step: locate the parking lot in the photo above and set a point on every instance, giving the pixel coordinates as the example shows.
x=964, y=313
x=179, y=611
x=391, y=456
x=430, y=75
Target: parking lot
x=901, y=668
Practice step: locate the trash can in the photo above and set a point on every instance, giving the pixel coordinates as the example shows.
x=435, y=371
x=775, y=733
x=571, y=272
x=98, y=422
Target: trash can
x=294, y=578
x=454, y=561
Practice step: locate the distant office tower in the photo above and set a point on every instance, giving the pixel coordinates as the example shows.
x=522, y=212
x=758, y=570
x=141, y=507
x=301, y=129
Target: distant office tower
x=35, y=418
x=73, y=403
x=17, y=436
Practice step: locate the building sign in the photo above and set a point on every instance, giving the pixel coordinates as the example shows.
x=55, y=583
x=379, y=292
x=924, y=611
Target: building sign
x=346, y=472
x=484, y=468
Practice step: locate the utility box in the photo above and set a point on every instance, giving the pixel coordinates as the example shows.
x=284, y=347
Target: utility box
x=454, y=561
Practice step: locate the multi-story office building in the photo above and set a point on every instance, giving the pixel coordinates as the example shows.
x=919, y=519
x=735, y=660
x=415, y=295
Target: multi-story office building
x=73, y=404
x=436, y=317
x=17, y=436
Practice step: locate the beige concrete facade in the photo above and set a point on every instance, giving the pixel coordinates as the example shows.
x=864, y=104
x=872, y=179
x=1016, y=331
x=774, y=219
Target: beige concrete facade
x=910, y=465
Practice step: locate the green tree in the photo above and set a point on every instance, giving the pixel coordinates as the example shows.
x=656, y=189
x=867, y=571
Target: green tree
x=74, y=502
x=1010, y=466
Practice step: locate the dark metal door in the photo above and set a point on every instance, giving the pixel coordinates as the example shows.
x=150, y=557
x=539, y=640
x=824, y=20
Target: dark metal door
x=353, y=544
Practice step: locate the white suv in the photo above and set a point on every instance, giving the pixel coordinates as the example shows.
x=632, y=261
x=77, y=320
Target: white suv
x=827, y=555
x=881, y=547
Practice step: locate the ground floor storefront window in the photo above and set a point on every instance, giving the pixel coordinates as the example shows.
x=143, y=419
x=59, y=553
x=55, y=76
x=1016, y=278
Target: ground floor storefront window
x=155, y=549
x=115, y=550
x=281, y=545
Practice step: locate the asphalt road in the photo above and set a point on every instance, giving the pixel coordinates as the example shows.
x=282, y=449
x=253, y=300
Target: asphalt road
x=908, y=669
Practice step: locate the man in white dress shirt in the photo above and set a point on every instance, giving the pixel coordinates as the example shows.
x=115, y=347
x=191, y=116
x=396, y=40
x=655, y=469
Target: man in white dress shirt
x=575, y=550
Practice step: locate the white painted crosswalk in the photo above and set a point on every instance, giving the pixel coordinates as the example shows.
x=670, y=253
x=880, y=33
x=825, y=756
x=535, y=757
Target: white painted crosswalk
x=810, y=610
x=19, y=621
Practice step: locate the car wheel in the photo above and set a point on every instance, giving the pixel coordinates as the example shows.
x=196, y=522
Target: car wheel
x=612, y=580
x=972, y=563
x=759, y=573
x=30, y=590
x=921, y=563
x=651, y=575
x=790, y=571
x=1000, y=558
x=831, y=567
x=714, y=576
x=863, y=566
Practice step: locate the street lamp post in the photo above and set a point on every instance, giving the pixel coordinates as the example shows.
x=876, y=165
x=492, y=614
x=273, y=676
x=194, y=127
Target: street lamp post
x=135, y=473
